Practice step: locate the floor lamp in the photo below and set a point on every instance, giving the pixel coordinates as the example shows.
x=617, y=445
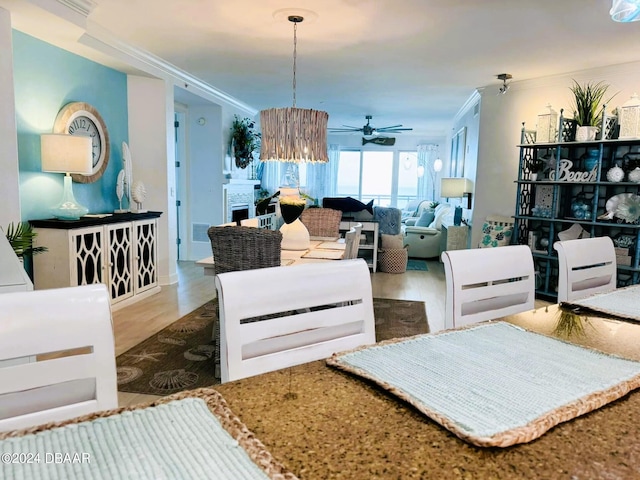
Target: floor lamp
x=67, y=154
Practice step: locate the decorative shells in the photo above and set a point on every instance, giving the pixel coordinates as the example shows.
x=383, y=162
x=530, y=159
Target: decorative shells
x=615, y=174
x=172, y=380
x=201, y=353
x=634, y=175
x=128, y=374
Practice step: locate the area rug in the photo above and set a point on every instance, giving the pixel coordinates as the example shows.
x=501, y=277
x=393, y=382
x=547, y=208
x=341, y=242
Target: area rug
x=494, y=384
x=181, y=356
x=417, y=264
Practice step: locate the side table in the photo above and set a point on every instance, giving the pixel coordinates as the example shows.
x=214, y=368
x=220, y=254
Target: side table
x=454, y=237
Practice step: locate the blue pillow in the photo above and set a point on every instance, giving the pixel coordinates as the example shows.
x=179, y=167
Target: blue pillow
x=426, y=218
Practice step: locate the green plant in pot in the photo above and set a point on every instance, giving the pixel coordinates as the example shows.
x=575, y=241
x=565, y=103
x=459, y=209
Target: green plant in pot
x=244, y=141
x=20, y=237
x=588, y=104
x=535, y=167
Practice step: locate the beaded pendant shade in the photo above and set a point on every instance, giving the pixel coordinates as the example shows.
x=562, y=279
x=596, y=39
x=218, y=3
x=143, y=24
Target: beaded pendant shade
x=292, y=134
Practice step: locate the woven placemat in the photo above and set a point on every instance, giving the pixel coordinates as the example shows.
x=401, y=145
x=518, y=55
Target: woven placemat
x=622, y=302
x=494, y=384
x=188, y=435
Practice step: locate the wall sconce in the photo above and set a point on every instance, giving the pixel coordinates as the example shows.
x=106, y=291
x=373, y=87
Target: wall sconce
x=67, y=154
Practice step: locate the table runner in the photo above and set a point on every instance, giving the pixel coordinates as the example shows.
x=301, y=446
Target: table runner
x=623, y=302
x=494, y=384
x=195, y=437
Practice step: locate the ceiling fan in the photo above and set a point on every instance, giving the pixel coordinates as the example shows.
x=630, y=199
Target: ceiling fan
x=368, y=129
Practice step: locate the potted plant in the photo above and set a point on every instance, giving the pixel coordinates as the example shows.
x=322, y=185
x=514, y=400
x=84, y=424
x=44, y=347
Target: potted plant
x=244, y=141
x=588, y=106
x=21, y=237
x=535, y=167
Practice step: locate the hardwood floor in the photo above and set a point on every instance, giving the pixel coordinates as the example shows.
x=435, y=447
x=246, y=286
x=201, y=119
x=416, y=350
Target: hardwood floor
x=139, y=321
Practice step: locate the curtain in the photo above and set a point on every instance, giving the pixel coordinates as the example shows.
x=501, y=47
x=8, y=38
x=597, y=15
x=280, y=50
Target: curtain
x=423, y=160
x=322, y=177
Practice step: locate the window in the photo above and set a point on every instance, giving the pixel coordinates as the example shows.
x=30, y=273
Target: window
x=382, y=176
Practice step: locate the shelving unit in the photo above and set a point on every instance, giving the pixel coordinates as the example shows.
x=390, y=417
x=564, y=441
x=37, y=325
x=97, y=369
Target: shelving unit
x=368, y=241
x=544, y=205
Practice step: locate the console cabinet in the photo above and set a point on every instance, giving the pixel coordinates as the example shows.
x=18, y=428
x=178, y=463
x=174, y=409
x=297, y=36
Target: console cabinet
x=120, y=251
x=368, y=240
x=581, y=187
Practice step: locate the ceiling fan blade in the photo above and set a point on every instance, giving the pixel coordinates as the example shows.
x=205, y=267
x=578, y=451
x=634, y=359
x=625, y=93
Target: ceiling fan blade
x=393, y=129
x=390, y=126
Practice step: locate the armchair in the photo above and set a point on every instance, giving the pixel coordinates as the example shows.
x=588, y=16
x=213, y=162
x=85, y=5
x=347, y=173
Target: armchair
x=424, y=242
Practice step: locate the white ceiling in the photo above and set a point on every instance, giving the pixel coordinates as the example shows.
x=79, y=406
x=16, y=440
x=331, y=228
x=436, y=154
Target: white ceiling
x=410, y=62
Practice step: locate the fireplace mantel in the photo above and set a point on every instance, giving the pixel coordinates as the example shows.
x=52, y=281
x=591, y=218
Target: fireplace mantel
x=238, y=192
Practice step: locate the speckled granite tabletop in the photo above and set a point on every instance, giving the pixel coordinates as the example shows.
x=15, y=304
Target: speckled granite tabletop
x=342, y=427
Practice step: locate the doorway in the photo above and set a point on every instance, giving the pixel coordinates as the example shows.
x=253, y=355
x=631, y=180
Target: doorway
x=180, y=119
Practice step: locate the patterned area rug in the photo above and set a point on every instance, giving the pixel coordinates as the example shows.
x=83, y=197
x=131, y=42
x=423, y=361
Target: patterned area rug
x=417, y=264
x=180, y=357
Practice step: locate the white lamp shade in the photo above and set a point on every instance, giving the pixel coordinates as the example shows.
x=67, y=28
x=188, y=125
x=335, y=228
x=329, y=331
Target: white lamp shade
x=437, y=165
x=66, y=153
x=455, y=187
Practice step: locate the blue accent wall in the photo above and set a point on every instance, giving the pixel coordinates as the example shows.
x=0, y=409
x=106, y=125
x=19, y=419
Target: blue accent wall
x=47, y=78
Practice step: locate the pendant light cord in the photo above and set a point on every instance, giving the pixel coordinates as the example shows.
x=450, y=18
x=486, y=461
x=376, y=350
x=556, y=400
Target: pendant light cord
x=295, y=51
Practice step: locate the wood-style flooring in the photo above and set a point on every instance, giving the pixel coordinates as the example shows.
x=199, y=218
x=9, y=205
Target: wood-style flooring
x=136, y=322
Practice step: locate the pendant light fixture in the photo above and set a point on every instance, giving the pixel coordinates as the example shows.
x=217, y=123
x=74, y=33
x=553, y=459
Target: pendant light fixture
x=294, y=134
x=625, y=11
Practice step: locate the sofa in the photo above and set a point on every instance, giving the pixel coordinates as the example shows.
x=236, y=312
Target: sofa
x=424, y=241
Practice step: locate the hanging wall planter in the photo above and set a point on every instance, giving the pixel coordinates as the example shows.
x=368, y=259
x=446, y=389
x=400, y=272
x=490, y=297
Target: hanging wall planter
x=244, y=141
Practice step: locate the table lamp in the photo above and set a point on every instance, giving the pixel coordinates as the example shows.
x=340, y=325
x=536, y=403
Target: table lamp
x=67, y=154
x=457, y=188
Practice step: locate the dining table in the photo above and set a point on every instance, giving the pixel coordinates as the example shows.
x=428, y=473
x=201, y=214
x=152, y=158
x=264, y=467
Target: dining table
x=321, y=249
x=319, y=422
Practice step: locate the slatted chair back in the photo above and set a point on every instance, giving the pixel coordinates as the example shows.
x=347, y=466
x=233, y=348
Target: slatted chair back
x=313, y=310
x=57, y=358
x=322, y=222
x=487, y=283
x=585, y=266
x=352, y=242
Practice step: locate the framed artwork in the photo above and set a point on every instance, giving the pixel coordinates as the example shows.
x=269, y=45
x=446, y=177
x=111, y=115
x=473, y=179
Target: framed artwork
x=458, y=148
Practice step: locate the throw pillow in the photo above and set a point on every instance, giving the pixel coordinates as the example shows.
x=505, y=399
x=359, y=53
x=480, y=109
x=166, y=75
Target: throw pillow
x=392, y=241
x=426, y=218
x=495, y=234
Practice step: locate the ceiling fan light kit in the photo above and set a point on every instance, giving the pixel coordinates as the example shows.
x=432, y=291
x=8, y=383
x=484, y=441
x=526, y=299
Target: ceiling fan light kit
x=294, y=134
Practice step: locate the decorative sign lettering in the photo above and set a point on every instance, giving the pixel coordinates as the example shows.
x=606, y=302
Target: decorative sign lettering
x=564, y=173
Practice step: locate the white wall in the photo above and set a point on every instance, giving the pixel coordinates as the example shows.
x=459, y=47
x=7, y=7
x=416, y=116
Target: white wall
x=9, y=181
x=152, y=146
x=501, y=118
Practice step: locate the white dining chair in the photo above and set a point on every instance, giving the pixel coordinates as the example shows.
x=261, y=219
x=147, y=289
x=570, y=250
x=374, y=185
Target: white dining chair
x=487, y=283
x=312, y=311
x=57, y=358
x=352, y=242
x=585, y=266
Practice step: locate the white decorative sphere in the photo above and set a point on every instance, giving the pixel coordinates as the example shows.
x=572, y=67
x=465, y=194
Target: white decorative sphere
x=615, y=174
x=634, y=175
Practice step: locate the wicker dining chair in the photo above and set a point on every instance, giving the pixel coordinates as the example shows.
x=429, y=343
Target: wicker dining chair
x=241, y=248
x=322, y=222
x=244, y=248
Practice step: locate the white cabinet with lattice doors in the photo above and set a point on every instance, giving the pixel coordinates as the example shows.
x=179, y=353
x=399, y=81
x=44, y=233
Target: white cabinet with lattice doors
x=121, y=253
